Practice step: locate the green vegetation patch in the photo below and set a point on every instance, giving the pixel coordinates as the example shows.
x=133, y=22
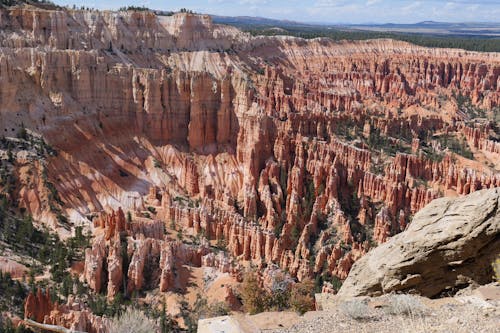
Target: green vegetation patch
x=472, y=43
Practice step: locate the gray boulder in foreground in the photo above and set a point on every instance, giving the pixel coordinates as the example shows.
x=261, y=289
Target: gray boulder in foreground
x=449, y=244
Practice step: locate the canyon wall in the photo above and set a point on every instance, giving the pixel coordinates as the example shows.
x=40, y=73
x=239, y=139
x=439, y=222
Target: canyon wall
x=303, y=153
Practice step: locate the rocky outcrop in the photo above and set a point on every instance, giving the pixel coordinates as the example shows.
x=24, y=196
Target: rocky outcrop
x=72, y=315
x=38, y=305
x=113, y=224
x=13, y=268
x=223, y=264
x=449, y=244
x=94, y=260
x=114, y=267
x=139, y=257
x=479, y=138
x=285, y=151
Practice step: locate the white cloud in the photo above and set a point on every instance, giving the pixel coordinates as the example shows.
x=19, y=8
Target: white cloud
x=253, y=2
x=330, y=3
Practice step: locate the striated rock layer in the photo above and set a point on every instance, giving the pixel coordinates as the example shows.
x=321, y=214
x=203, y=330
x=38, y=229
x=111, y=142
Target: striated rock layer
x=300, y=153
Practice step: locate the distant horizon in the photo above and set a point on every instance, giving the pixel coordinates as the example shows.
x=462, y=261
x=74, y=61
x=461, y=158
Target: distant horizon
x=348, y=23
x=325, y=12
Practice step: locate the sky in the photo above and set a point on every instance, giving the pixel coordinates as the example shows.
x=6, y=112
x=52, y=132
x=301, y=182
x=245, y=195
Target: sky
x=325, y=11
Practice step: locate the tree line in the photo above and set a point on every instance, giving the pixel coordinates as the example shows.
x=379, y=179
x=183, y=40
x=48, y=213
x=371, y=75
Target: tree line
x=471, y=43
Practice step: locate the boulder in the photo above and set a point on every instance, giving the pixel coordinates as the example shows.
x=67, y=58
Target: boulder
x=449, y=244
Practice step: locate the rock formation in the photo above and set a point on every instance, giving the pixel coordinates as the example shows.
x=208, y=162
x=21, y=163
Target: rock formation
x=300, y=153
x=72, y=315
x=450, y=244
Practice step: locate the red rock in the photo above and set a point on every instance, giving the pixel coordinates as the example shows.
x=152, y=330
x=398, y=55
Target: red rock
x=231, y=299
x=115, y=267
x=234, y=146
x=38, y=305
x=383, y=228
x=94, y=258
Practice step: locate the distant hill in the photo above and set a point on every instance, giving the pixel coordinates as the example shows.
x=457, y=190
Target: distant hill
x=472, y=29
x=251, y=20
x=480, y=29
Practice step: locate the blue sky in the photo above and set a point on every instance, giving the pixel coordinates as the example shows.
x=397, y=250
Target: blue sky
x=329, y=11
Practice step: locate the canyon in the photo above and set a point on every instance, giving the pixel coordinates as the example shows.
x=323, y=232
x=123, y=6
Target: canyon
x=179, y=145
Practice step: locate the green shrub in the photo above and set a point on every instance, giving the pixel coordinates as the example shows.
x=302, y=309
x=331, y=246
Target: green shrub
x=282, y=295
x=458, y=146
x=12, y=295
x=336, y=283
x=22, y=133
x=253, y=295
x=301, y=297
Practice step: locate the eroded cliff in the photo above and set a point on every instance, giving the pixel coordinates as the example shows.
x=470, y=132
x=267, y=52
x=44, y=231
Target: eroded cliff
x=301, y=153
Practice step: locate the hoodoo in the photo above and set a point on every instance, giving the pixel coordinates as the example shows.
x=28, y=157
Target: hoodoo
x=158, y=158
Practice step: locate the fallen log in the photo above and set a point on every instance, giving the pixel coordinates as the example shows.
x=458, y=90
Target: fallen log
x=50, y=328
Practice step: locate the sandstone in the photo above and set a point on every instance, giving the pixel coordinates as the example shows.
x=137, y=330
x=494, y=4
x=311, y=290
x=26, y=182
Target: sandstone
x=94, y=258
x=449, y=244
x=39, y=308
x=13, y=268
x=231, y=299
x=489, y=292
x=115, y=268
x=38, y=305
x=207, y=127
